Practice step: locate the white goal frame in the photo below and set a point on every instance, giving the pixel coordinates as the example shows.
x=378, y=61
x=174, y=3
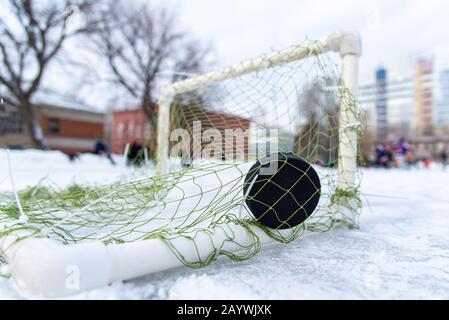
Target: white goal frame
x=46, y=267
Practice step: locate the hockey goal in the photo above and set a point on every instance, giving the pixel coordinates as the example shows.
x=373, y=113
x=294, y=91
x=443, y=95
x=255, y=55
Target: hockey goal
x=217, y=133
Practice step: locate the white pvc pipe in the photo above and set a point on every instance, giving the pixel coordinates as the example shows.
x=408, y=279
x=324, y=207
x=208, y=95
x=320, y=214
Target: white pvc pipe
x=350, y=51
x=163, y=132
x=347, y=162
x=44, y=267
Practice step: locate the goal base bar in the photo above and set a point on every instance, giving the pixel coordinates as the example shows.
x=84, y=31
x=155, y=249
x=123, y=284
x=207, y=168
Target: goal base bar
x=44, y=267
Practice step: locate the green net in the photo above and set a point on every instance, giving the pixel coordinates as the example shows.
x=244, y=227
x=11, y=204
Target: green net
x=217, y=133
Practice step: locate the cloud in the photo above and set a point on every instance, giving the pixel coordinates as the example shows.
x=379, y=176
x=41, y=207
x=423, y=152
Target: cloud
x=242, y=29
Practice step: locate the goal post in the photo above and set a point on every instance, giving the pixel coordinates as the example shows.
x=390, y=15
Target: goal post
x=81, y=238
x=347, y=44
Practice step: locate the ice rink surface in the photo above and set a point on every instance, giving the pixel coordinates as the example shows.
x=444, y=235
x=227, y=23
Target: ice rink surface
x=401, y=250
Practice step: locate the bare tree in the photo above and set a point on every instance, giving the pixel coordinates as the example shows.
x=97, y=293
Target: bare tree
x=32, y=33
x=140, y=44
x=317, y=137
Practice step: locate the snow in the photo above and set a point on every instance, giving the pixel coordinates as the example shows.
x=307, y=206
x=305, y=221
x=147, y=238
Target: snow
x=401, y=250
x=32, y=166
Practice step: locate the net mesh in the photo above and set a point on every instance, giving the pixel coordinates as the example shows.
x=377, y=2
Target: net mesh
x=217, y=133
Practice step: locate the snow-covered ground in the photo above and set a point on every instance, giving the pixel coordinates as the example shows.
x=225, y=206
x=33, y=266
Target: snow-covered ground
x=400, y=251
x=32, y=166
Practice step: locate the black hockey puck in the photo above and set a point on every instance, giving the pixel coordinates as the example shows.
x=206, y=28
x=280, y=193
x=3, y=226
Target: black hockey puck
x=282, y=190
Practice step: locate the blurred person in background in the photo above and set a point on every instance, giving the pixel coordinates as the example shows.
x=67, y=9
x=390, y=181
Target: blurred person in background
x=444, y=160
x=380, y=152
x=426, y=162
x=401, y=149
x=410, y=158
x=101, y=149
x=384, y=155
x=135, y=154
x=390, y=155
x=73, y=156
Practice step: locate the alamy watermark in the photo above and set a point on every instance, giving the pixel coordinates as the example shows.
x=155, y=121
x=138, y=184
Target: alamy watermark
x=72, y=281
x=226, y=144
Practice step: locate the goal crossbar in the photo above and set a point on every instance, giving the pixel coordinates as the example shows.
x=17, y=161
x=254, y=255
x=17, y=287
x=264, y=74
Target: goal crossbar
x=347, y=44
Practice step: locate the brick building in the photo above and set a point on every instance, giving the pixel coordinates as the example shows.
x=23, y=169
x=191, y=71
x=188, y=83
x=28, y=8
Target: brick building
x=230, y=147
x=129, y=126
x=69, y=130
x=133, y=125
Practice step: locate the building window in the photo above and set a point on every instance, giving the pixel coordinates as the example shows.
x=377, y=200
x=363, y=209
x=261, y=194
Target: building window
x=138, y=131
x=53, y=126
x=120, y=130
x=10, y=122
